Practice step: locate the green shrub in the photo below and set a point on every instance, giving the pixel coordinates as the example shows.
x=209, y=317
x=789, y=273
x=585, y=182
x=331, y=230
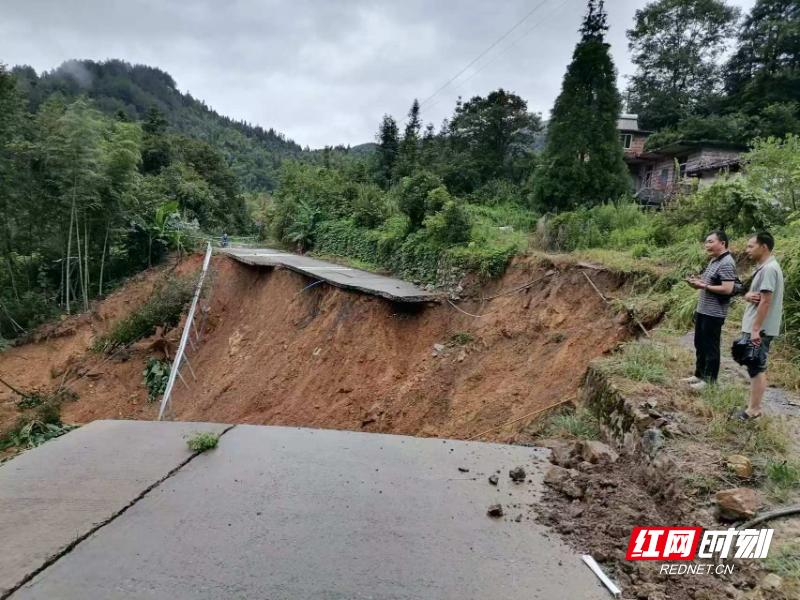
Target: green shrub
x=37, y=427
x=413, y=196
x=787, y=251
x=617, y=226
x=370, y=207
x=155, y=378
x=436, y=200
x=461, y=338
x=497, y=192
x=451, y=225
x=200, y=441
x=302, y=225
x=345, y=238
x=732, y=206
x=162, y=309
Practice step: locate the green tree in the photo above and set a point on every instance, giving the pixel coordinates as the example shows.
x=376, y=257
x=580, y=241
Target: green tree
x=387, y=151
x=493, y=133
x=765, y=67
x=583, y=162
x=157, y=150
x=409, y=154
x=413, y=197
x=428, y=151
x=676, y=45
x=773, y=166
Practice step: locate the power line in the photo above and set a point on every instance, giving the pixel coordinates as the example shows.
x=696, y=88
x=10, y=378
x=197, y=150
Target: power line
x=497, y=41
x=550, y=14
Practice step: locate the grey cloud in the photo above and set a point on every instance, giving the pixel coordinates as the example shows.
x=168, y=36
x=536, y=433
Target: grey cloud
x=320, y=71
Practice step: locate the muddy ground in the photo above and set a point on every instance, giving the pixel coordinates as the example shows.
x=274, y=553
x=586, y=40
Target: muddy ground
x=275, y=353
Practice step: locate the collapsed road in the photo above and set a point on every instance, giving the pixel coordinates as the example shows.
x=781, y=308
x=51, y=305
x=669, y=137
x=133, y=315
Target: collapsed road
x=276, y=512
x=338, y=275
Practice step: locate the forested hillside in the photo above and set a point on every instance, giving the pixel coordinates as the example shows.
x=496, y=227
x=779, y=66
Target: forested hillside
x=121, y=90
x=86, y=199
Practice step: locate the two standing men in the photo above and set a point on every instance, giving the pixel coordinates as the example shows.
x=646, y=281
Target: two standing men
x=762, y=317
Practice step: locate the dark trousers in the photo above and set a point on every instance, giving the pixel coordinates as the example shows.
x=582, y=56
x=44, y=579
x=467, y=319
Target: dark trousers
x=707, y=335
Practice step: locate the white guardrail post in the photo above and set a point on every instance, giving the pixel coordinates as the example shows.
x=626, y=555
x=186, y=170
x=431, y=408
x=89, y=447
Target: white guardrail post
x=176, y=364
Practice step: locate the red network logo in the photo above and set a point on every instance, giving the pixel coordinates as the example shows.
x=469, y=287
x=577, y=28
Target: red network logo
x=663, y=543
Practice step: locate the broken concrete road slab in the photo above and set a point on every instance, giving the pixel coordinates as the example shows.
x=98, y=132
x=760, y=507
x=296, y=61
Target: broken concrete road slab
x=338, y=275
x=285, y=513
x=54, y=495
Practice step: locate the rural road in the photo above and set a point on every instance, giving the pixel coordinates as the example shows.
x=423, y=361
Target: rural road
x=338, y=275
x=121, y=509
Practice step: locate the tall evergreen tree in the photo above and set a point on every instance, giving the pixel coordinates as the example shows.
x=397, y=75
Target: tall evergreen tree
x=765, y=68
x=387, y=151
x=583, y=161
x=157, y=150
x=429, y=146
x=409, y=148
x=675, y=45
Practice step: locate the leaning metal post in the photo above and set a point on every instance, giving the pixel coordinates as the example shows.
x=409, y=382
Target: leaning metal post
x=176, y=364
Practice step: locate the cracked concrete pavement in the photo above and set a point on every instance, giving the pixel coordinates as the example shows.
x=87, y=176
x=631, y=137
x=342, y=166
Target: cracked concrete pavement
x=280, y=513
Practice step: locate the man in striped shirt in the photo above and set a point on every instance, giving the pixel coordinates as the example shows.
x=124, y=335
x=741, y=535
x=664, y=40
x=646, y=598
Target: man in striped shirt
x=716, y=286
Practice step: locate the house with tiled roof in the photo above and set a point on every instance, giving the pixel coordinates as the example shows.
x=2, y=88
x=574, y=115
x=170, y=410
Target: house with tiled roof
x=658, y=174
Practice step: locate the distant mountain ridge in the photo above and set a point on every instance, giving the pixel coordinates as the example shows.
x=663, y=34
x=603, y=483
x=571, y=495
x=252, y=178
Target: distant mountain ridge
x=120, y=88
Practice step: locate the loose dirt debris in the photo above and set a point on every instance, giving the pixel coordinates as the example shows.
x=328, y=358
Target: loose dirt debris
x=596, y=506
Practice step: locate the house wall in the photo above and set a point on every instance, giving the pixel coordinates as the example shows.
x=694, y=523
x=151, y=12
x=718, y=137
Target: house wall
x=667, y=164
x=637, y=145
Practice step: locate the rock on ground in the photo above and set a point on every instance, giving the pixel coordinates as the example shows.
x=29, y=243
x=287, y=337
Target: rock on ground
x=597, y=452
x=563, y=455
x=561, y=479
x=740, y=465
x=517, y=474
x=737, y=503
x=495, y=510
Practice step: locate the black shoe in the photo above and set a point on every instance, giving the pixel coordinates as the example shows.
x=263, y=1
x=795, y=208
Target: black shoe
x=743, y=416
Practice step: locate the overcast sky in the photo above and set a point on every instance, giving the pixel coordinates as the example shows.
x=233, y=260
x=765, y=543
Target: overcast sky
x=320, y=71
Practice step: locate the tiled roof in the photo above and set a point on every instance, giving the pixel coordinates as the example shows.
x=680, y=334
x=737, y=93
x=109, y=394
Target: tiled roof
x=719, y=163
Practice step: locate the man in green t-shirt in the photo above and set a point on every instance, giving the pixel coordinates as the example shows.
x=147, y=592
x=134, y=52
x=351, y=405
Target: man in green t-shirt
x=762, y=317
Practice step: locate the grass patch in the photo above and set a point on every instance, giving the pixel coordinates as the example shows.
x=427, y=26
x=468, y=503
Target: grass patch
x=200, y=441
x=766, y=435
x=576, y=424
x=724, y=399
x=785, y=560
x=644, y=362
x=162, y=309
x=784, y=365
x=461, y=338
x=783, y=478
x=703, y=483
